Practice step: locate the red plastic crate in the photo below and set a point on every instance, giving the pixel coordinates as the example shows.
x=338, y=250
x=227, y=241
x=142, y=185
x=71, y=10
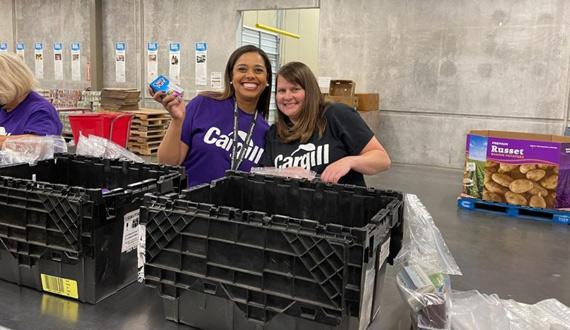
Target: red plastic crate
x=113, y=126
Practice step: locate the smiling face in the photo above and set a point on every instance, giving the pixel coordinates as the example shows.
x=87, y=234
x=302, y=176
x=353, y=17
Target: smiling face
x=289, y=98
x=249, y=77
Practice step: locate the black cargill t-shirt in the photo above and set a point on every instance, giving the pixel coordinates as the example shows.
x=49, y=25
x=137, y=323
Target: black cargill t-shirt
x=346, y=134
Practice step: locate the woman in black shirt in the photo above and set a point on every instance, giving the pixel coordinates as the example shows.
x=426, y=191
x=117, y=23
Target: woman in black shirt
x=328, y=138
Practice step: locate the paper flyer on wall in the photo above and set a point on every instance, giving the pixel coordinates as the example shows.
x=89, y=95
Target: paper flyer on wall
x=324, y=83
x=120, y=58
x=152, y=61
x=201, y=67
x=20, y=50
x=215, y=80
x=174, y=72
x=75, y=61
x=39, y=51
x=58, y=60
x=3, y=47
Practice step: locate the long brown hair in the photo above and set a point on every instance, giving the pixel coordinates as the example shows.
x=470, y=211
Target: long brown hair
x=229, y=91
x=312, y=110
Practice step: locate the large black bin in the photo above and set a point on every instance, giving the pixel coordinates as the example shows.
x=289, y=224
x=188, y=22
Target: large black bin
x=68, y=225
x=285, y=253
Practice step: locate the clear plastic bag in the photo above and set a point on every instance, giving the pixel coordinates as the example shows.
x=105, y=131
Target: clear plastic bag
x=468, y=306
x=427, y=295
x=475, y=311
x=30, y=149
x=425, y=265
x=426, y=246
x=289, y=172
x=97, y=146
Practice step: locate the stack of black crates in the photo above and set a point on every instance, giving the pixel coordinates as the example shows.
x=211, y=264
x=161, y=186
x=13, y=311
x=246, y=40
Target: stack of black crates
x=263, y=252
x=68, y=225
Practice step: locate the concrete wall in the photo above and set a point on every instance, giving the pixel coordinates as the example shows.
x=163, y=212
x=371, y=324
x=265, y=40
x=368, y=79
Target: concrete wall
x=444, y=67
x=6, y=24
x=134, y=22
x=48, y=22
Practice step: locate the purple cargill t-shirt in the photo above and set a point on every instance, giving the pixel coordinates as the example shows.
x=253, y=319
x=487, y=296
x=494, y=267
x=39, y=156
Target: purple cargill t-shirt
x=208, y=132
x=34, y=115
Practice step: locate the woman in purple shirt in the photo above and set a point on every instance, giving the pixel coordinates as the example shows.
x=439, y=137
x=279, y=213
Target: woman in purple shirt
x=218, y=131
x=23, y=112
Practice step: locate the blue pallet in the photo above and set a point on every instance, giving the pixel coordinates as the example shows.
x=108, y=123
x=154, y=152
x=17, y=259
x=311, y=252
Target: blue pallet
x=555, y=216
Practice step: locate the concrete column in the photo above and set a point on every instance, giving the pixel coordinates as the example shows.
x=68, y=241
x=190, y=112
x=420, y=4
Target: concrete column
x=96, y=44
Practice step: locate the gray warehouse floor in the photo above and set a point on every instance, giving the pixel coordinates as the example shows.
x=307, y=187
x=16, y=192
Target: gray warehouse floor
x=518, y=259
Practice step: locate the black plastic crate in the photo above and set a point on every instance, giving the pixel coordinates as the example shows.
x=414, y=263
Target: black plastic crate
x=62, y=222
x=248, y=238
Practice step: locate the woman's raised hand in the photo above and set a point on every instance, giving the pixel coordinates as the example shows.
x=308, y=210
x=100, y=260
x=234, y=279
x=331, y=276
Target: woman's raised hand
x=173, y=104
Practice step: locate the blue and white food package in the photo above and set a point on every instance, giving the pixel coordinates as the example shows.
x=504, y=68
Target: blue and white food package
x=161, y=83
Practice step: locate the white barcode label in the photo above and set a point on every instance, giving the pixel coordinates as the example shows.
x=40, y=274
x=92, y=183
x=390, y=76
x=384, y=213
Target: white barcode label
x=58, y=285
x=130, y=231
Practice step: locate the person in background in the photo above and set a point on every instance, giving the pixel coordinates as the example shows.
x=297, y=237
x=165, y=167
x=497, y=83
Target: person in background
x=218, y=131
x=23, y=112
x=328, y=138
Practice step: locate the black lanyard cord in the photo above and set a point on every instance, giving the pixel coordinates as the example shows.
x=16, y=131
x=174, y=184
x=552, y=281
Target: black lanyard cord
x=236, y=159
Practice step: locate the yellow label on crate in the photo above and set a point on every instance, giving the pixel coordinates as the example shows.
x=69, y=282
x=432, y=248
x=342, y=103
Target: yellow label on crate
x=60, y=286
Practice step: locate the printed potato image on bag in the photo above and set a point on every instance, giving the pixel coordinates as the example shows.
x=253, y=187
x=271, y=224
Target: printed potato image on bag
x=531, y=170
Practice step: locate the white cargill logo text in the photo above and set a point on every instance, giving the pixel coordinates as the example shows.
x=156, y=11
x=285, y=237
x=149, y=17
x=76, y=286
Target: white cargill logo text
x=214, y=136
x=312, y=156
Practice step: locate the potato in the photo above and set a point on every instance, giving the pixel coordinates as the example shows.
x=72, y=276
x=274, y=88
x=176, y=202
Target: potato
x=549, y=182
x=490, y=163
x=502, y=179
x=527, y=167
x=516, y=199
x=555, y=170
x=543, y=166
x=517, y=174
x=491, y=169
x=537, y=189
x=488, y=176
x=535, y=175
x=489, y=196
x=537, y=201
x=521, y=186
x=550, y=201
x=496, y=188
x=507, y=168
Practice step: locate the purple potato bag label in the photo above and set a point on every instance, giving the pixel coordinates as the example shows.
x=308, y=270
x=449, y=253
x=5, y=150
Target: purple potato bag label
x=514, y=151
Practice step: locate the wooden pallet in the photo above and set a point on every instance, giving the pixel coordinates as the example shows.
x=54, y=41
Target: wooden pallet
x=144, y=144
x=144, y=151
x=556, y=216
x=142, y=128
x=145, y=140
x=151, y=121
x=148, y=134
x=146, y=114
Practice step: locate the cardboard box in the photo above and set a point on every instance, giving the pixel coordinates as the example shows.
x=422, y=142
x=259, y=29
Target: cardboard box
x=518, y=168
x=351, y=101
x=368, y=101
x=342, y=88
